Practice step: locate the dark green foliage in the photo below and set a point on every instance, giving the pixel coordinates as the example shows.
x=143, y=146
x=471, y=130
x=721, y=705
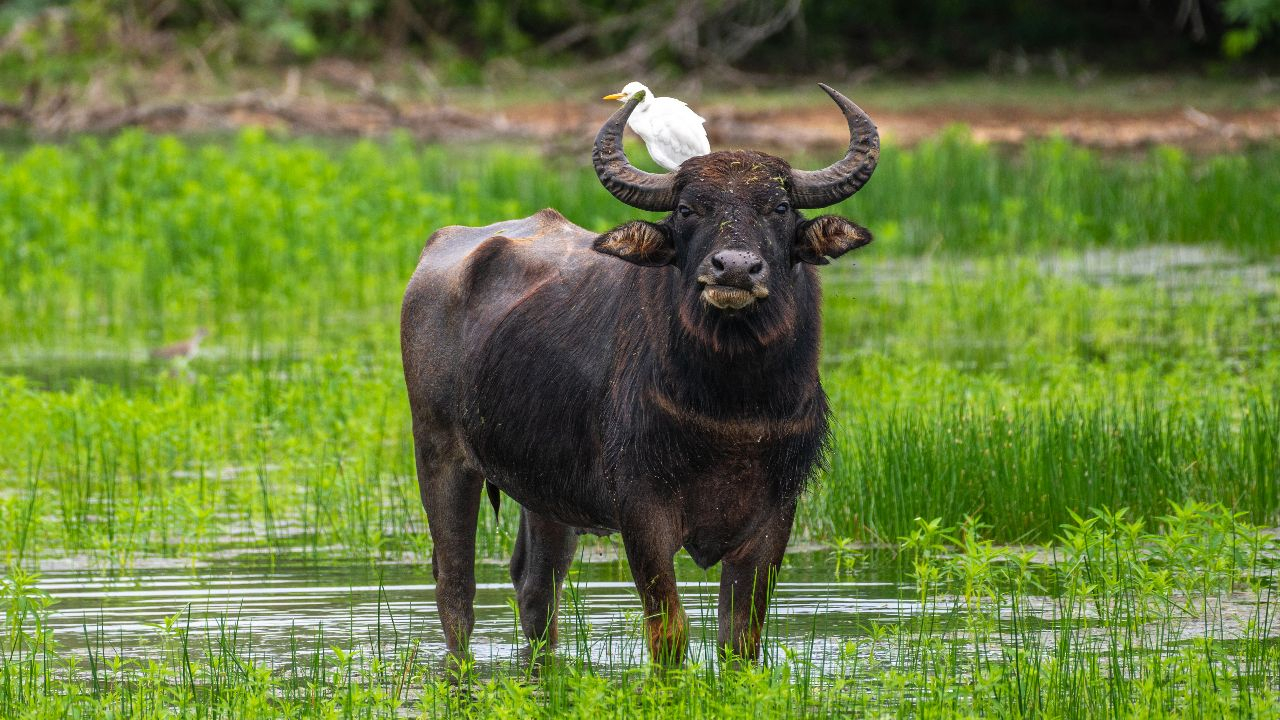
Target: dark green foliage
x=685, y=36
x=1260, y=19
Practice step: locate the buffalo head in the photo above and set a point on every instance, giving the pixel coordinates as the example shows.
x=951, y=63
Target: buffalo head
x=734, y=231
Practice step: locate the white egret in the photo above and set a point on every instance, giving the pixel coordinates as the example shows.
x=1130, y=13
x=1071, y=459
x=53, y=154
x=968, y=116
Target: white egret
x=672, y=132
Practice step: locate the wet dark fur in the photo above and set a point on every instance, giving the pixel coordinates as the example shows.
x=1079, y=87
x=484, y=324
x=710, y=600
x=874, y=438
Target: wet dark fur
x=604, y=395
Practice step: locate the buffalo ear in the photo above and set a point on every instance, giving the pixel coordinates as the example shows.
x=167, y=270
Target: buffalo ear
x=639, y=242
x=828, y=236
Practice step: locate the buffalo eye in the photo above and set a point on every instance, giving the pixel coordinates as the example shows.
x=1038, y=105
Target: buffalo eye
x=782, y=208
x=685, y=211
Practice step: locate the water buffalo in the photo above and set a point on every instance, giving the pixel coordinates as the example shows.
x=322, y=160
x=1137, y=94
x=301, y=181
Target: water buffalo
x=659, y=380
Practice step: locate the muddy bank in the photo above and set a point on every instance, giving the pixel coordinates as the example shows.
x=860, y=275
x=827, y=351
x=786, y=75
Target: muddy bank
x=561, y=125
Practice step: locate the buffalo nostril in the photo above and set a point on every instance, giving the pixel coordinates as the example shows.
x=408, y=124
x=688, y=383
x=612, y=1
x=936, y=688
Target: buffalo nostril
x=756, y=269
x=717, y=264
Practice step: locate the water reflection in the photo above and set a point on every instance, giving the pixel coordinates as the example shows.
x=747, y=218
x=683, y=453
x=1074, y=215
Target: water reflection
x=392, y=605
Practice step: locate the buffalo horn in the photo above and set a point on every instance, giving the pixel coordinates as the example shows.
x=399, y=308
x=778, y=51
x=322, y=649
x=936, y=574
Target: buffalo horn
x=629, y=184
x=830, y=185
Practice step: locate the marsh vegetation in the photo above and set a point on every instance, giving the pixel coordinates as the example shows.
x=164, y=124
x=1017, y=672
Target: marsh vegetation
x=1037, y=339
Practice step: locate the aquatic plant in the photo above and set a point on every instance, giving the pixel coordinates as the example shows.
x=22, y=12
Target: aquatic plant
x=1013, y=348
x=1114, y=619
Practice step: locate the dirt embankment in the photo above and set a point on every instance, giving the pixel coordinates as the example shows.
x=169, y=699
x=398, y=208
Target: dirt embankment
x=820, y=127
x=362, y=110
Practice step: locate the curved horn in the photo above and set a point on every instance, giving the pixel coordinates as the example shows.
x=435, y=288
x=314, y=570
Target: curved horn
x=830, y=185
x=629, y=184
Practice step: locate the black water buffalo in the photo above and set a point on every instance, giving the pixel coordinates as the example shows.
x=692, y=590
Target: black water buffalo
x=659, y=380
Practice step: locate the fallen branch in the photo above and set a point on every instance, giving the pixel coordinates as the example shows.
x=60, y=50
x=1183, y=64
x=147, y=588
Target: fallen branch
x=16, y=112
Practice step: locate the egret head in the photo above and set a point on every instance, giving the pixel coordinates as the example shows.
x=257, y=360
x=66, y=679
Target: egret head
x=631, y=90
x=735, y=233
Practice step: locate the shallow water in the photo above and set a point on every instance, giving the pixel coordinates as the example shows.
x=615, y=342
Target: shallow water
x=290, y=612
x=277, y=606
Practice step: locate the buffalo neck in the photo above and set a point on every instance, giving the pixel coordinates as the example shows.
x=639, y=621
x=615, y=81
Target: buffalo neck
x=753, y=365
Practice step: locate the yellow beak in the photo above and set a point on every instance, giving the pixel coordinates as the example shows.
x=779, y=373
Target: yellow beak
x=615, y=96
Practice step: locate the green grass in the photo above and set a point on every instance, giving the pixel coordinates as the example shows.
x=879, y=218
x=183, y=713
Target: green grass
x=98, y=238
x=1033, y=335
x=1040, y=357
x=1116, y=619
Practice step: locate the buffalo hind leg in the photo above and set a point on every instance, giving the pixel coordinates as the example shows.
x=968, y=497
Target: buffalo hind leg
x=747, y=577
x=544, y=550
x=451, y=497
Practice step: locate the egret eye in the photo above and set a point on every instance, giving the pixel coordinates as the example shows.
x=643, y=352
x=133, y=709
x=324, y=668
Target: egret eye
x=685, y=211
x=782, y=209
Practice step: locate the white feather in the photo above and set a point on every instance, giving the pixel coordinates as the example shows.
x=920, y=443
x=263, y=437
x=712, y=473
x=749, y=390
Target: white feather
x=672, y=132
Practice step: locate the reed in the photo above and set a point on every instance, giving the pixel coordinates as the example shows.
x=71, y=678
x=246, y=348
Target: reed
x=1118, y=617
x=1034, y=336
x=109, y=237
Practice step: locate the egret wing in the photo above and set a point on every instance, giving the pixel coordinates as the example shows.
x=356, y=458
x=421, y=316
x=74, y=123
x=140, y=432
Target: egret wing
x=680, y=129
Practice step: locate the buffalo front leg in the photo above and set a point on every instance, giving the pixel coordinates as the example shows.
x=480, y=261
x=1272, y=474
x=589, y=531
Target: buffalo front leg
x=746, y=584
x=651, y=548
x=451, y=497
x=543, y=553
